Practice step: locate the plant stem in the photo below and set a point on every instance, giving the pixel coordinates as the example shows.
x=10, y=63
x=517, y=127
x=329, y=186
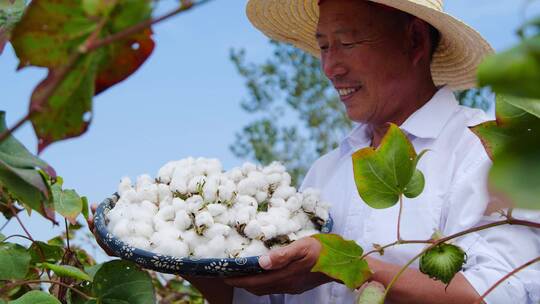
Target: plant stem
x=17, y=235
x=535, y=260
x=17, y=125
x=15, y=284
x=20, y=222
x=67, y=234
x=402, y=242
x=399, y=217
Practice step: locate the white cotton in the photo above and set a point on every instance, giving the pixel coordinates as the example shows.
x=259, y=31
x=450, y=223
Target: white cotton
x=160, y=224
x=121, y=228
x=309, y=226
x=274, y=178
x=285, y=179
x=192, y=239
x=293, y=204
x=268, y=232
x=216, y=209
x=261, y=196
x=138, y=242
x=201, y=251
x=235, y=243
x=243, y=214
x=212, y=166
x=196, y=183
x=138, y=214
x=118, y=213
x=194, y=203
x=277, y=202
x=216, y=247
x=235, y=174
x=175, y=248
x=210, y=189
x=166, y=172
x=179, y=184
x=130, y=196
x=125, y=185
x=253, y=230
x=258, y=179
x=292, y=236
x=248, y=167
x=148, y=193
x=149, y=207
x=284, y=192
x=143, y=181
x=143, y=230
x=217, y=229
x=166, y=213
x=255, y=248
x=164, y=192
x=246, y=200
x=179, y=204
x=182, y=220
x=311, y=199
x=204, y=219
x=169, y=232
x=224, y=218
x=225, y=193
x=301, y=219
x=322, y=213
x=274, y=167
x=306, y=233
x=247, y=187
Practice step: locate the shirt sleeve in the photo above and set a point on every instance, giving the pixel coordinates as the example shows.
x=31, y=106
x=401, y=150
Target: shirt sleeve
x=242, y=296
x=494, y=252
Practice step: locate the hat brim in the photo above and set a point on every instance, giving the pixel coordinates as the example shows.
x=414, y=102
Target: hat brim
x=454, y=63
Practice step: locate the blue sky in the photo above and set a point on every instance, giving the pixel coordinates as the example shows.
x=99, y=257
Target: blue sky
x=185, y=100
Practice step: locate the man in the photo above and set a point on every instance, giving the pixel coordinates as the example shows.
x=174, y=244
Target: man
x=391, y=61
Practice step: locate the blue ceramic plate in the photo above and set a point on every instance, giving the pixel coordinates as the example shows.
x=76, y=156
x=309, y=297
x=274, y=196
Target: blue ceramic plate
x=221, y=267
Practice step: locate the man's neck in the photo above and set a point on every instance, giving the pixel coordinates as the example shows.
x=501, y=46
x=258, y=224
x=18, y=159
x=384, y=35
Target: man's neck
x=411, y=104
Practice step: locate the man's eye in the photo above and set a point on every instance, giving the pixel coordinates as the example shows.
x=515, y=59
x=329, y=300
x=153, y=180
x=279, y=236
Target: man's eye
x=323, y=47
x=348, y=45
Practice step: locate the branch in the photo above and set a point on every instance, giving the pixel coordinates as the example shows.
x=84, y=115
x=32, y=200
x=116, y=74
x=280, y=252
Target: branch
x=399, y=217
x=15, y=284
x=17, y=235
x=535, y=260
x=17, y=125
x=20, y=222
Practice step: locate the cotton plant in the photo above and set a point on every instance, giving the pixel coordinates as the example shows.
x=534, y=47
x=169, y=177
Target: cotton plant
x=193, y=208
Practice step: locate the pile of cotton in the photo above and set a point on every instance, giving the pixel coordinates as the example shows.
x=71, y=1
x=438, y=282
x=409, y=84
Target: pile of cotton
x=195, y=209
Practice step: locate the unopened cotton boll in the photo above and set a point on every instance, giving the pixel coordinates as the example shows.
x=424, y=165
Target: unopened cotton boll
x=255, y=248
x=216, y=209
x=253, y=230
x=175, y=248
x=182, y=220
x=284, y=192
x=204, y=219
x=217, y=229
x=194, y=203
x=166, y=213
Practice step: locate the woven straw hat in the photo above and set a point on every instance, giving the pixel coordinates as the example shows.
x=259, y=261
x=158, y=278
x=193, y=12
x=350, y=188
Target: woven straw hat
x=454, y=63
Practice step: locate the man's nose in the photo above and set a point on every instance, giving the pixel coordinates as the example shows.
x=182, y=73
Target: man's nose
x=333, y=66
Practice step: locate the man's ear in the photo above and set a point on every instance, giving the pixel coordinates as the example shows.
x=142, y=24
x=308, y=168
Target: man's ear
x=420, y=44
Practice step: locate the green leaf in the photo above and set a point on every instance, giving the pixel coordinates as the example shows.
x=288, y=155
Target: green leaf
x=66, y=202
x=2, y=237
x=85, y=208
x=340, y=259
x=43, y=252
x=442, y=262
x=14, y=261
x=20, y=175
x=123, y=282
x=35, y=297
x=67, y=271
x=384, y=174
x=372, y=293
x=11, y=12
x=92, y=270
x=514, y=72
x=532, y=106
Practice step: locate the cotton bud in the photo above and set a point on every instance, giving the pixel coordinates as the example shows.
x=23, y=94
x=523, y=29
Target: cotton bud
x=268, y=232
x=204, y=219
x=130, y=196
x=248, y=167
x=217, y=229
x=216, y=209
x=255, y=248
x=179, y=204
x=125, y=185
x=225, y=193
x=194, y=203
x=306, y=233
x=321, y=213
x=261, y=196
x=284, y=192
x=293, y=204
x=166, y=213
x=195, y=184
x=149, y=208
x=246, y=200
x=143, y=181
x=179, y=184
x=253, y=230
x=175, y=248
x=182, y=220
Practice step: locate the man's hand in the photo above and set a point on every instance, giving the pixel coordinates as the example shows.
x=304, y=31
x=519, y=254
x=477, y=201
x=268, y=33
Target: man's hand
x=288, y=270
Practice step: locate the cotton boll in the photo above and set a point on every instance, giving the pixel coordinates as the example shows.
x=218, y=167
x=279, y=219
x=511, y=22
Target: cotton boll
x=179, y=184
x=160, y=224
x=274, y=178
x=285, y=179
x=192, y=239
x=166, y=172
x=274, y=167
x=201, y=251
x=284, y=192
x=277, y=202
x=194, y=203
x=179, y=204
x=118, y=213
x=139, y=215
x=170, y=232
x=143, y=230
x=246, y=200
x=216, y=209
x=216, y=247
x=243, y=214
x=130, y=196
x=217, y=229
x=166, y=213
x=182, y=220
x=322, y=213
x=210, y=189
x=247, y=187
x=307, y=232
x=204, y=219
x=224, y=218
x=149, y=207
x=269, y=232
x=164, y=192
x=248, y=167
x=139, y=242
x=235, y=243
x=143, y=181
x=311, y=198
x=225, y=193
x=256, y=248
x=253, y=230
x=261, y=196
x=196, y=183
x=148, y=193
x=125, y=185
x=301, y=218
x=121, y=229
x=258, y=179
x=235, y=174
x=293, y=204
x=212, y=166
x=175, y=248
x=292, y=236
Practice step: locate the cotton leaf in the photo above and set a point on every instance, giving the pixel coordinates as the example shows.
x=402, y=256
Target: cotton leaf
x=442, y=262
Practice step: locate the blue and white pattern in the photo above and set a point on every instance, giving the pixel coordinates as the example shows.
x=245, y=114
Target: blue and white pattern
x=223, y=267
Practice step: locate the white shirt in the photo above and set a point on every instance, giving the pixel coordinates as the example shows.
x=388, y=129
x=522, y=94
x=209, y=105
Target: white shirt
x=454, y=199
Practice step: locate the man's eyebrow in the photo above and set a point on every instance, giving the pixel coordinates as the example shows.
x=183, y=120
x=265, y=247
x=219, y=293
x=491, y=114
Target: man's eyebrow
x=339, y=31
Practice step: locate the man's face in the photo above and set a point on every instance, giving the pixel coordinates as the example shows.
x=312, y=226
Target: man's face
x=364, y=53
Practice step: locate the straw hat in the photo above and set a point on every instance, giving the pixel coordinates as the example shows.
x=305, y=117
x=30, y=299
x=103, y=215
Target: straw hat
x=454, y=63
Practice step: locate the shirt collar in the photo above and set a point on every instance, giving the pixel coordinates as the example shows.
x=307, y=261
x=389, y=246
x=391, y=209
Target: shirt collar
x=426, y=122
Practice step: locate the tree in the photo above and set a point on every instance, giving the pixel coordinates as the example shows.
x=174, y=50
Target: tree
x=298, y=115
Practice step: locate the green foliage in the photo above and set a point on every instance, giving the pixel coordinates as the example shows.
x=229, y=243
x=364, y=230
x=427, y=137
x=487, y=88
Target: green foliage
x=43, y=252
x=442, y=262
x=383, y=175
x=341, y=260
x=122, y=282
x=299, y=116
x=66, y=271
x=34, y=297
x=66, y=202
x=11, y=12
x=14, y=261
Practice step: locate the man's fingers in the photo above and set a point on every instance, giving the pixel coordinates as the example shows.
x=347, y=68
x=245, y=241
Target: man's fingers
x=279, y=258
x=94, y=207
